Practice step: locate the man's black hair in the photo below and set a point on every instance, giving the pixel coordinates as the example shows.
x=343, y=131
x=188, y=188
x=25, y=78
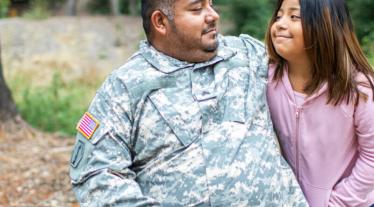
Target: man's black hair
x=149, y=6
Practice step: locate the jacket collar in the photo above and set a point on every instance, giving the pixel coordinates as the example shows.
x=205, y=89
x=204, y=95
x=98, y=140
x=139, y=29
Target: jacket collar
x=167, y=64
x=290, y=92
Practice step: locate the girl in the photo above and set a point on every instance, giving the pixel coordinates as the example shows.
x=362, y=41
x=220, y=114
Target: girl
x=320, y=94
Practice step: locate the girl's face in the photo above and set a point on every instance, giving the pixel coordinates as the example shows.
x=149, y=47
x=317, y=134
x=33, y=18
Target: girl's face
x=287, y=31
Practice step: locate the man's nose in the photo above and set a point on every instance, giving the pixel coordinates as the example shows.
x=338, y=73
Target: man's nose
x=212, y=15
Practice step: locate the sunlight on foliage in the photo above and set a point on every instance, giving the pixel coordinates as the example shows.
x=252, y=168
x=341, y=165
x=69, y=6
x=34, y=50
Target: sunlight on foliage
x=4, y=6
x=39, y=10
x=56, y=107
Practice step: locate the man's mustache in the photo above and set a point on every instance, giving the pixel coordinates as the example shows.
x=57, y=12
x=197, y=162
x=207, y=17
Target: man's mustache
x=211, y=27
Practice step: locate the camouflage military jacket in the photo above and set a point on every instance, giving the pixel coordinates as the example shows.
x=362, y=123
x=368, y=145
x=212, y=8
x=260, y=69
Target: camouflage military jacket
x=173, y=133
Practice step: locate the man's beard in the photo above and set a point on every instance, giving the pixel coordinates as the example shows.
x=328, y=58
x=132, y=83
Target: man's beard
x=211, y=48
x=186, y=39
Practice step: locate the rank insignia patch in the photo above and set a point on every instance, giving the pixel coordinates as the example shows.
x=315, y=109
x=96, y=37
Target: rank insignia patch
x=77, y=154
x=87, y=125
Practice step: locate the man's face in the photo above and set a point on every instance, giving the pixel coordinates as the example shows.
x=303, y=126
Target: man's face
x=194, y=29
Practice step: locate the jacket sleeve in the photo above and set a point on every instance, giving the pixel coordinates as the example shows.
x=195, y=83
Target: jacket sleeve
x=258, y=62
x=354, y=189
x=101, y=165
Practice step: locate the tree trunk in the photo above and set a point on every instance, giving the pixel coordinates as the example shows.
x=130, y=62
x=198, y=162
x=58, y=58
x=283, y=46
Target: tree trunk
x=8, y=109
x=114, y=6
x=71, y=9
x=133, y=9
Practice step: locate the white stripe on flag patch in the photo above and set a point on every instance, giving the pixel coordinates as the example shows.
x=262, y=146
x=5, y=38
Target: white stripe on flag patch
x=87, y=125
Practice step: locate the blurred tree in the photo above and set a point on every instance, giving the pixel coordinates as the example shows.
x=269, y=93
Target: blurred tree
x=97, y=6
x=115, y=7
x=363, y=16
x=251, y=16
x=221, y=2
x=131, y=4
x=104, y=7
x=133, y=7
x=12, y=8
x=8, y=108
x=71, y=8
x=4, y=7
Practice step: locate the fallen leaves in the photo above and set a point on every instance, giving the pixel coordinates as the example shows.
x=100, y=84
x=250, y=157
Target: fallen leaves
x=34, y=167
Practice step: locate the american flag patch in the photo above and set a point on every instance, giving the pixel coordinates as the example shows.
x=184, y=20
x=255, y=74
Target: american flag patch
x=87, y=125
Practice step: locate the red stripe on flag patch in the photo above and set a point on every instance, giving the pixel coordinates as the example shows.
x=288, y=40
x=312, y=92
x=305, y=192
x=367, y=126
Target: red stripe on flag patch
x=87, y=125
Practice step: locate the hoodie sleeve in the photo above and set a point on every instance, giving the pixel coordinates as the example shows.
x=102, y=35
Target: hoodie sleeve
x=354, y=189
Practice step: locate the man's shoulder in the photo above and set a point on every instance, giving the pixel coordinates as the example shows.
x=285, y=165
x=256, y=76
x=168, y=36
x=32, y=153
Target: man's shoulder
x=244, y=42
x=138, y=76
x=135, y=69
x=131, y=71
x=252, y=50
x=135, y=63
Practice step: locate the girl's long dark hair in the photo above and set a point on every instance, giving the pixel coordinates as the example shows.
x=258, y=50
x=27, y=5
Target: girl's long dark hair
x=333, y=49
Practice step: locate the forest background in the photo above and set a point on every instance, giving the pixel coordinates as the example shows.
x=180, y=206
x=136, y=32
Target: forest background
x=56, y=53
x=57, y=104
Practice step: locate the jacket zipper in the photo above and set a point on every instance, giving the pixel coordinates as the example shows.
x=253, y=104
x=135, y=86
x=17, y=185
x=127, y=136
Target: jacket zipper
x=298, y=111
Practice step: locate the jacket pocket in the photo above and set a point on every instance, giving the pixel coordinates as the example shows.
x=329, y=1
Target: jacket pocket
x=316, y=196
x=79, y=157
x=181, y=115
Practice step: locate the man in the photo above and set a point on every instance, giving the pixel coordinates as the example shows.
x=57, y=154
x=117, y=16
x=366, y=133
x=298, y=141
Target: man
x=184, y=122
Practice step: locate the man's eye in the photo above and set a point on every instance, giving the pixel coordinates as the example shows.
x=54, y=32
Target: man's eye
x=197, y=9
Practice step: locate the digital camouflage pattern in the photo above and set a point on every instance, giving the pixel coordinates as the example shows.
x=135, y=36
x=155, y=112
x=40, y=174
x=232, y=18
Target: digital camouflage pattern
x=174, y=133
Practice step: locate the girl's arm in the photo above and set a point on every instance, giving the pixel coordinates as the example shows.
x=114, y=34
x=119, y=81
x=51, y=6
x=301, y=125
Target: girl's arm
x=354, y=189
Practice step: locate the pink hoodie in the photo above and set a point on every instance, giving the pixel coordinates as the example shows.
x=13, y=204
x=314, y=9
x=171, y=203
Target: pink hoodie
x=330, y=148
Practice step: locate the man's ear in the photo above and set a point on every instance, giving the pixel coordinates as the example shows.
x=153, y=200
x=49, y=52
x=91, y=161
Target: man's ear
x=159, y=22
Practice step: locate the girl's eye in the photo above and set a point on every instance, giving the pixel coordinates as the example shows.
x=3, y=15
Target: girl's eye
x=295, y=17
x=277, y=18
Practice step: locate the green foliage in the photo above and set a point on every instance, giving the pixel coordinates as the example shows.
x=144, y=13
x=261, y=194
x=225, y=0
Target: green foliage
x=368, y=46
x=363, y=20
x=4, y=6
x=56, y=107
x=371, y=60
x=251, y=16
x=363, y=17
x=368, y=43
x=221, y=2
x=103, y=7
x=125, y=7
x=99, y=6
x=39, y=10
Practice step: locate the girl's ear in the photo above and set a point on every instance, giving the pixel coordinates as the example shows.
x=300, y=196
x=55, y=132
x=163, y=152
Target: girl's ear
x=159, y=22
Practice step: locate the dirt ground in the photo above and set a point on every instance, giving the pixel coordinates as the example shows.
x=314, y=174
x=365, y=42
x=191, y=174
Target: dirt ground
x=34, y=167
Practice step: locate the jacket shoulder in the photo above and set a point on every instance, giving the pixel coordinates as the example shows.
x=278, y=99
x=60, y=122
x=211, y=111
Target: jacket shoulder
x=140, y=77
x=245, y=43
